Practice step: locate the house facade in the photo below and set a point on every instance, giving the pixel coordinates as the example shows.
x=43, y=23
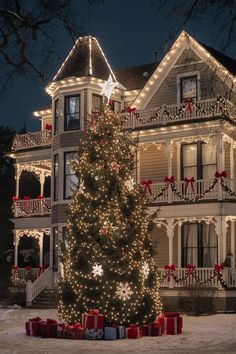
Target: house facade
x=182, y=112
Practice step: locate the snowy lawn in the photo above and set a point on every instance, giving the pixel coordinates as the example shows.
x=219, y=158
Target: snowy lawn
x=208, y=334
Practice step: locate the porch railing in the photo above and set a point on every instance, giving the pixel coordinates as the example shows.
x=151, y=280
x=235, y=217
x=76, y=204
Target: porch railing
x=32, y=207
x=229, y=276
x=45, y=280
x=199, y=187
x=165, y=114
x=30, y=140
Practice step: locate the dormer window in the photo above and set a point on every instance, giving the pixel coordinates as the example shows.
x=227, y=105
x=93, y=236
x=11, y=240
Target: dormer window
x=72, y=112
x=188, y=87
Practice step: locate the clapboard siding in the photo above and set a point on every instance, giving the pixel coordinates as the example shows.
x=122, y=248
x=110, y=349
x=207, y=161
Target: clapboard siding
x=153, y=164
x=160, y=242
x=59, y=213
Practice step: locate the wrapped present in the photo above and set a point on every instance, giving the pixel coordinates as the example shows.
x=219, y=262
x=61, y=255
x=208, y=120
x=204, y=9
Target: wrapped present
x=171, y=325
x=93, y=333
x=152, y=329
x=93, y=320
x=171, y=314
x=32, y=326
x=114, y=332
x=60, y=330
x=75, y=331
x=48, y=329
x=133, y=332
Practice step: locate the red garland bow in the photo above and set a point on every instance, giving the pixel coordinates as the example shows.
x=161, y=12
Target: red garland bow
x=28, y=268
x=169, y=269
x=14, y=269
x=190, y=268
x=218, y=268
x=40, y=196
x=48, y=127
x=147, y=187
x=27, y=197
x=15, y=198
x=131, y=110
x=223, y=174
x=189, y=103
x=187, y=181
x=170, y=179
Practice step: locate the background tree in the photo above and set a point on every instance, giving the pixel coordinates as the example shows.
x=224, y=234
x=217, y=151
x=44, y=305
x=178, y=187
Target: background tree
x=108, y=254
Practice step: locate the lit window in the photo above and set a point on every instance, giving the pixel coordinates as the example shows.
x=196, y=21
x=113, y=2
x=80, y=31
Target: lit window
x=70, y=179
x=188, y=87
x=72, y=112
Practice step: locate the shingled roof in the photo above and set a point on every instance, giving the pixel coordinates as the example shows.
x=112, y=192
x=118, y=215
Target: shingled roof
x=85, y=59
x=227, y=62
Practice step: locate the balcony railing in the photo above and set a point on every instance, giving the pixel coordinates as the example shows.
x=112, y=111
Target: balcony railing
x=162, y=115
x=32, y=140
x=197, y=188
x=32, y=207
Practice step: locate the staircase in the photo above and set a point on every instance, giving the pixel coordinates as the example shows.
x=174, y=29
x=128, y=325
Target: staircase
x=47, y=299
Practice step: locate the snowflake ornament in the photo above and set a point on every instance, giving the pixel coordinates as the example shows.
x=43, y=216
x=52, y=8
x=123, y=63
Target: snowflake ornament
x=145, y=270
x=108, y=88
x=123, y=291
x=81, y=188
x=129, y=184
x=97, y=270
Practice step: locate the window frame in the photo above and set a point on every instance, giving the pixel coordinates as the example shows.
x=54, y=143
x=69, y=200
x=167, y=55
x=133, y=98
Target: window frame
x=68, y=97
x=65, y=175
x=185, y=76
x=182, y=79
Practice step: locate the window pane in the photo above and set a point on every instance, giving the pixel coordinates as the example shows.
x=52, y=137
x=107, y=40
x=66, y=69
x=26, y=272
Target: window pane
x=189, y=244
x=190, y=172
x=208, y=172
x=209, y=245
x=190, y=155
x=96, y=103
x=70, y=179
x=189, y=87
x=72, y=112
x=208, y=154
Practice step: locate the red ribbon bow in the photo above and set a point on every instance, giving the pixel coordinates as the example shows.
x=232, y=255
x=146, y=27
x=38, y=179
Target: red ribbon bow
x=190, y=268
x=14, y=268
x=48, y=126
x=40, y=196
x=27, y=197
x=28, y=268
x=187, y=181
x=189, y=103
x=170, y=179
x=94, y=312
x=218, y=268
x=169, y=269
x=147, y=186
x=223, y=174
x=131, y=110
x=15, y=198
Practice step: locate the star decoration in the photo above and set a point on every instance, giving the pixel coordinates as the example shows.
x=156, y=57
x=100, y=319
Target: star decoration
x=129, y=184
x=145, y=270
x=123, y=291
x=97, y=270
x=108, y=88
x=81, y=188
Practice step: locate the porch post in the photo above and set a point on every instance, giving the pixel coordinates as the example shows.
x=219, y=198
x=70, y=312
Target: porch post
x=221, y=231
x=16, y=241
x=51, y=247
x=232, y=243
x=137, y=172
x=231, y=166
x=220, y=159
x=169, y=153
x=17, y=181
x=42, y=180
x=170, y=235
x=41, y=249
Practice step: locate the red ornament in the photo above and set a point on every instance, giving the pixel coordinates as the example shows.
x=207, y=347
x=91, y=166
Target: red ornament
x=131, y=156
x=104, y=231
x=115, y=166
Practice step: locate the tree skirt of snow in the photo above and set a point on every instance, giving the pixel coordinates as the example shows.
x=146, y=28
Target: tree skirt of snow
x=207, y=334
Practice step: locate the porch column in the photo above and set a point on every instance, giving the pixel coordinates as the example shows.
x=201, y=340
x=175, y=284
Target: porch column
x=170, y=234
x=16, y=241
x=169, y=153
x=42, y=180
x=137, y=172
x=220, y=159
x=221, y=230
x=232, y=243
x=17, y=181
x=41, y=249
x=231, y=154
x=179, y=245
x=51, y=247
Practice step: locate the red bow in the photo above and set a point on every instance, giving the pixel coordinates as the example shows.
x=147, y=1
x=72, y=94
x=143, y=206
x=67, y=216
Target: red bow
x=28, y=268
x=131, y=110
x=187, y=181
x=14, y=268
x=41, y=196
x=189, y=103
x=218, y=268
x=169, y=269
x=15, y=198
x=190, y=268
x=170, y=179
x=48, y=126
x=95, y=312
x=42, y=269
x=223, y=174
x=27, y=197
x=147, y=187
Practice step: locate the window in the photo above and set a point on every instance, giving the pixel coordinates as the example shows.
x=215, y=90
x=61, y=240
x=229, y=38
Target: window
x=116, y=106
x=56, y=116
x=72, y=112
x=70, y=179
x=56, y=176
x=188, y=87
x=96, y=103
x=198, y=161
x=199, y=244
x=55, y=249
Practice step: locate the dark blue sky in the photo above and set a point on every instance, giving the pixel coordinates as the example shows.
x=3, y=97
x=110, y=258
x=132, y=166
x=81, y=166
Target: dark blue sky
x=128, y=30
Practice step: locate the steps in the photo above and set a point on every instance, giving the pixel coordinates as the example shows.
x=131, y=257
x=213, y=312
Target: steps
x=47, y=299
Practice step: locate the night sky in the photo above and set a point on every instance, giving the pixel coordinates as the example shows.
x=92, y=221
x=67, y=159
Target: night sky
x=128, y=30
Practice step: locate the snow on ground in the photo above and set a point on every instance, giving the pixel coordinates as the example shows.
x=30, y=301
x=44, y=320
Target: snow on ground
x=208, y=334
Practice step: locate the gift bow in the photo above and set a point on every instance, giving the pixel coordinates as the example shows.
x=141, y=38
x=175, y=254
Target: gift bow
x=94, y=312
x=169, y=269
x=15, y=198
x=131, y=110
x=190, y=268
x=187, y=181
x=77, y=325
x=170, y=179
x=147, y=186
x=223, y=174
x=189, y=103
x=218, y=268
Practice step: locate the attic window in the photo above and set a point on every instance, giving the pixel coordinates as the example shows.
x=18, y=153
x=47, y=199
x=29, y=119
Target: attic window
x=145, y=74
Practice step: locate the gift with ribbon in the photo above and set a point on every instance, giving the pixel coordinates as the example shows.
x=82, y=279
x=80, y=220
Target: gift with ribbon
x=32, y=326
x=171, y=323
x=93, y=333
x=152, y=329
x=147, y=187
x=75, y=331
x=60, y=330
x=187, y=181
x=169, y=269
x=219, y=268
x=170, y=179
x=93, y=320
x=48, y=328
x=221, y=175
x=133, y=332
x=112, y=331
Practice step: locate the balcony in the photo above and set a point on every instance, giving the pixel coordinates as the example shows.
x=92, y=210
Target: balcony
x=32, y=140
x=173, y=114
x=32, y=207
x=179, y=191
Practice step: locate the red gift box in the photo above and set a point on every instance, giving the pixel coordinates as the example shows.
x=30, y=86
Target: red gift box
x=133, y=332
x=93, y=320
x=171, y=325
x=60, y=330
x=32, y=326
x=171, y=314
x=48, y=329
x=152, y=329
x=75, y=331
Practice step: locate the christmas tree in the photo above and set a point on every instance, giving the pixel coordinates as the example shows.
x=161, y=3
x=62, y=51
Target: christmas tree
x=107, y=260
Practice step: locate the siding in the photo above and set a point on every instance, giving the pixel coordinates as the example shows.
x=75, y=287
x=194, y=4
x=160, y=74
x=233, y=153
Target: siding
x=161, y=243
x=70, y=139
x=59, y=213
x=153, y=164
x=227, y=159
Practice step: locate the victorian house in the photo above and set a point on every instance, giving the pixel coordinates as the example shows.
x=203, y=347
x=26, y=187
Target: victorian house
x=182, y=111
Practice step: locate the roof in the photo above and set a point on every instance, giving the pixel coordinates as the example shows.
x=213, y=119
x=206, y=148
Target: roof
x=227, y=62
x=85, y=59
x=135, y=77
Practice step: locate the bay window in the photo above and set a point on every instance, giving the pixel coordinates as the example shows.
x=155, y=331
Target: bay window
x=72, y=113
x=70, y=179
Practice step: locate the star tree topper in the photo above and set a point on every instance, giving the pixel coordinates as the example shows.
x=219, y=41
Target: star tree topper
x=108, y=88
x=97, y=270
